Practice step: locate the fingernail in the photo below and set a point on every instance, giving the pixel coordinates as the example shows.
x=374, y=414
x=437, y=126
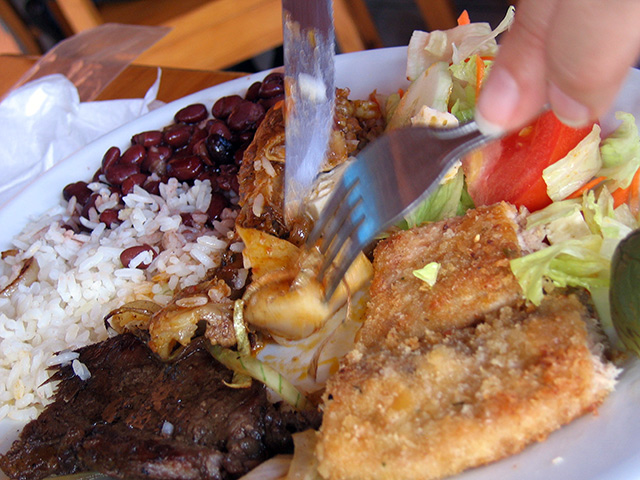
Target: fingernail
x=498, y=102
x=569, y=111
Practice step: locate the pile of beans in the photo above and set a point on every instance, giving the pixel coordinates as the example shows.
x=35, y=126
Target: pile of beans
x=197, y=146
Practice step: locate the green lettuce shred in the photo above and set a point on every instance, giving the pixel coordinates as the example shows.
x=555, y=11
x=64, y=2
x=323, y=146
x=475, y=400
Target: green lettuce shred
x=449, y=200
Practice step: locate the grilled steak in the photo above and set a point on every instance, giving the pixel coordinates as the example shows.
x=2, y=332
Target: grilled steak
x=137, y=417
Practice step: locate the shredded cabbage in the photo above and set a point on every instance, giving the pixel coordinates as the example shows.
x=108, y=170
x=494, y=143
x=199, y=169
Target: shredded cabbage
x=431, y=88
x=453, y=45
x=449, y=200
x=620, y=152
x=574, y=170
x=583, y=234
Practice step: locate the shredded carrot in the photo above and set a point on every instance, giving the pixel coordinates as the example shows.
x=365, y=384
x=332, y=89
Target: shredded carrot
x=401, y=92
x=487, y=57
x=620, y=196
x=587, y=186
x=463, y=19
x=479, y=74
x=634, y=193
x=373, y=96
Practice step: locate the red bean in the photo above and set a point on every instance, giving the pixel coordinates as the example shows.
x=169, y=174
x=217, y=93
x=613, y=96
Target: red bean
x=132, y=181
x=130, y=253
x=219, y=148
x=253, y=92
x=200, y=149
x=239, y=155
x=118, y=173
x=219, y=127
x=216, y=206
x=227, y=179
x=78, y=190
x=109, y=217
x=244, y=138
x=156, y=159
x=272, y=85
x=267, y=103
x=222, y=108
x=244, y=116
x=198, y=134
x=184, y=168
x=177, y=136
x=152, y=186
x=191, y=114
x=110, y=157
x=96, y=175
x=89, y=204
x=134, y=155
x=147, y=139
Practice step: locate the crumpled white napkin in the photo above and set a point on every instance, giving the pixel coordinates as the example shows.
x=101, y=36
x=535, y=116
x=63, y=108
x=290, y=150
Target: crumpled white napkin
x=43, y=122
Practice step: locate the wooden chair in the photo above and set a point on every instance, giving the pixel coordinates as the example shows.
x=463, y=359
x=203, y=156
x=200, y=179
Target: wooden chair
x=15, y=35
x=437, y=14
x=214, y=34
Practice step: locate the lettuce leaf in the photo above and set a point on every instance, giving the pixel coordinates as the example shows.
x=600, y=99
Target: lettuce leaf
x=583, y=234
x=620, y=152
x=428, y=274
x=432, y=88
x=453, y=45
x=574, y=170
x=449, y=200
x=573, y=262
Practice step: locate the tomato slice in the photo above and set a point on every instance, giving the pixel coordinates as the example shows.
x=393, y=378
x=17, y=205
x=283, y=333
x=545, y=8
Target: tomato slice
x=511, y=170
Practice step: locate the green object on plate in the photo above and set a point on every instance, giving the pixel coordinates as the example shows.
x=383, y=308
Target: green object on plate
x=624, y=292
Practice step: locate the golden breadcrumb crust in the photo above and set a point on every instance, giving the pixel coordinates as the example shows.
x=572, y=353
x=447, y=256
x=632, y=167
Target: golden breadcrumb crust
x=460, y=400
x=460, y=374
x=474, y=278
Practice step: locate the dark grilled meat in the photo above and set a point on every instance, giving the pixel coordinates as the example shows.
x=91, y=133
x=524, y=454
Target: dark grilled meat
x=137, y=417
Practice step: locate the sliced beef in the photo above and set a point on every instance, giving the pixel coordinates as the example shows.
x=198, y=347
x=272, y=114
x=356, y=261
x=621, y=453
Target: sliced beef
x=138, y=417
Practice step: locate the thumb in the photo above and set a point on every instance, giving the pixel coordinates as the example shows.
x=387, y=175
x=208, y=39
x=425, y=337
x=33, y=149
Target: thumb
x=515, y=89
x=571, y=54
x=591, y=45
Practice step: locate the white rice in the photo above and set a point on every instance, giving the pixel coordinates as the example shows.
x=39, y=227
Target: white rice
x=81, y=279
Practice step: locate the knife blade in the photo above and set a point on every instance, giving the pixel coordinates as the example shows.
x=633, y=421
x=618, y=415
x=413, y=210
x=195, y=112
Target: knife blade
x=309, y=47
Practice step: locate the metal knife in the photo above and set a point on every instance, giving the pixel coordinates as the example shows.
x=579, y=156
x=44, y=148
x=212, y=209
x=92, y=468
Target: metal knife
x=309, y=47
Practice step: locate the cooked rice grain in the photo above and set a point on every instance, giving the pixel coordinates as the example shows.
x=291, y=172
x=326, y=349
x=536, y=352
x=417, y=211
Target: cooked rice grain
x=81, y=279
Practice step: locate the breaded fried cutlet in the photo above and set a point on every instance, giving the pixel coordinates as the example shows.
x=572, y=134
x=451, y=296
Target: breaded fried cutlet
x=462, y=399
x=474, y=278
x=463, y=373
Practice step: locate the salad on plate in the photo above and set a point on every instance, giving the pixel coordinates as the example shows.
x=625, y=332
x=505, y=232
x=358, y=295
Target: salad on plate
x=502, y=308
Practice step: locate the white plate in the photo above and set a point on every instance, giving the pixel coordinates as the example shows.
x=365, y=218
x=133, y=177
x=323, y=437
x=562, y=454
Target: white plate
x=594, y=447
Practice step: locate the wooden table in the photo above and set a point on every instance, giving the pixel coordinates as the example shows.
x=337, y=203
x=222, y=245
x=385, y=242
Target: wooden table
x=133, y=82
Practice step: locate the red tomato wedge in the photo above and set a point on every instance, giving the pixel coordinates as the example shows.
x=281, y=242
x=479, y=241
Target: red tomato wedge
x=511, y=170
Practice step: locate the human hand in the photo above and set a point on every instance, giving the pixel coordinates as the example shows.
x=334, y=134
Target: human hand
x=571, y=54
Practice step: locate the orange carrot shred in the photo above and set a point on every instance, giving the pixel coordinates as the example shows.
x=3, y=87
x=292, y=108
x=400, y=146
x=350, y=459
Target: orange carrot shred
x=620, y=196
x=401, y=92
x=634, y=194
x=479, y=74
x=463, y=19
x=587, y=186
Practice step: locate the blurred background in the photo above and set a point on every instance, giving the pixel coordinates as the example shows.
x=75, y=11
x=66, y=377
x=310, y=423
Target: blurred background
x=242, y=35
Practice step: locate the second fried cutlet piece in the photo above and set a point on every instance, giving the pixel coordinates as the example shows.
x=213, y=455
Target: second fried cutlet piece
x=464, y=399
x=474, y=278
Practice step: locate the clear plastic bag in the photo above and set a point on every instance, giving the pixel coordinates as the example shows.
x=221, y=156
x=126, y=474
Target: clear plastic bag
x=93, y=58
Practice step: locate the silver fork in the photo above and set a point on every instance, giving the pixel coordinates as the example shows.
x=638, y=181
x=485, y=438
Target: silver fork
x=387, y=180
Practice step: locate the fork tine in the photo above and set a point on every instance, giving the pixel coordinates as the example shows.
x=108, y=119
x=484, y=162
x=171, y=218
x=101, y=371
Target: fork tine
x=333, y=215
x=345, y=234
x=347, y=256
